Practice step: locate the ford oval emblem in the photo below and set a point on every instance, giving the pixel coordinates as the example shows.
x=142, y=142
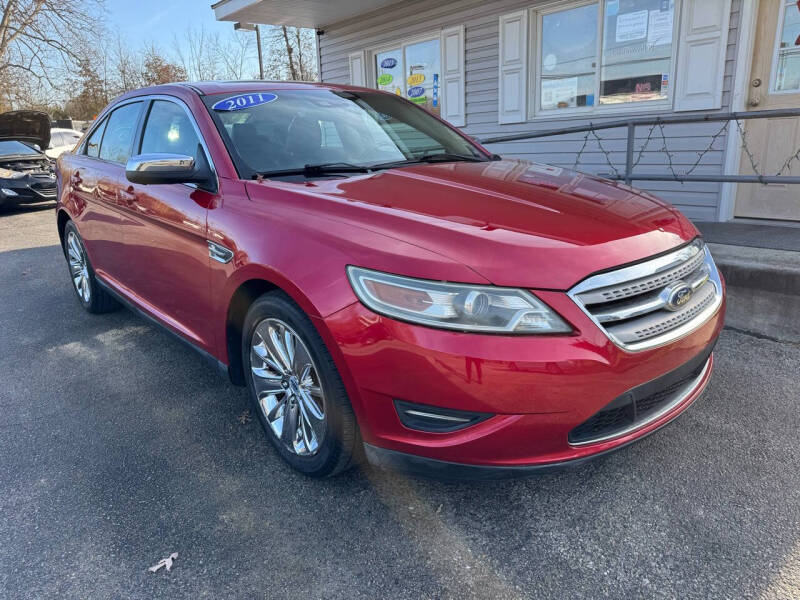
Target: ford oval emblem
x=416, y=91
x=676, y=295
x=388, y=63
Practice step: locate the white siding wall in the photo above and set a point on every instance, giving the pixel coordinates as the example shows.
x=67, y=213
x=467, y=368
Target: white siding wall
x=481, y=20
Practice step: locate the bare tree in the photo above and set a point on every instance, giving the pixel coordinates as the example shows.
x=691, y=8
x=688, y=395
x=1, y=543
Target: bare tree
x=208, y=56
x=291, y=54
x=195, y=56
x=158, y=69
x=92, y=94
x=234, y=54
x=42, y=41
x=125, y=71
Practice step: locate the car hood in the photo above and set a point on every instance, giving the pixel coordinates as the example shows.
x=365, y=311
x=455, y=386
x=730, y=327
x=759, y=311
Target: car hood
x=513, y=222
x=28, y=126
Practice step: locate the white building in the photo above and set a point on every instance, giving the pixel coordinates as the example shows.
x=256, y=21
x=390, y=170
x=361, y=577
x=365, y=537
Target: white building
x=513, y=66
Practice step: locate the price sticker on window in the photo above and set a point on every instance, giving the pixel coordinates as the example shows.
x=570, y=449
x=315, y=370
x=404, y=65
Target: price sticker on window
x=243, y=101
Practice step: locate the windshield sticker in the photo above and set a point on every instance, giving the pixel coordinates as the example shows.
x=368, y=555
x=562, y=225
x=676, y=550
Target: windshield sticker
x=416, y=91
x=388, y=63
x=243, y=101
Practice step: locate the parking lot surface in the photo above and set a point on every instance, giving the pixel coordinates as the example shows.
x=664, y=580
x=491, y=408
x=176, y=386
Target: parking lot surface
x=119, y=447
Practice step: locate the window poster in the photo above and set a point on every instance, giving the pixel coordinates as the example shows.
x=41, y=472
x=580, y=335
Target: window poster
x=659, y=30
x=632, y=26
x=560, y=93
x=422, y=61
x=389, y=71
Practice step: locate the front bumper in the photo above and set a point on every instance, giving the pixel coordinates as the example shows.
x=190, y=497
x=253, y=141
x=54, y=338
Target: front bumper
x=539, y=389
x=27, y=190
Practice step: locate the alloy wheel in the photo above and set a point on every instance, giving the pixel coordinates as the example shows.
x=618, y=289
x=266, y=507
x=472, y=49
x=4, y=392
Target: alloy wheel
x=79, y=267
x=287, y=387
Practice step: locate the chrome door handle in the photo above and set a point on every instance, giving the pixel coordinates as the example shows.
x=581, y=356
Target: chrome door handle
x=126, y=197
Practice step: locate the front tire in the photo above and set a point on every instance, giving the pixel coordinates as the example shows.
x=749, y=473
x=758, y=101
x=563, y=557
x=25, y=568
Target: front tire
x=296, y=389
x=91, y=295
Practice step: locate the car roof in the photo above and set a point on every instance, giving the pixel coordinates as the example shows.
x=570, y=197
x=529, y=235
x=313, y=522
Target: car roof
x=209, y=88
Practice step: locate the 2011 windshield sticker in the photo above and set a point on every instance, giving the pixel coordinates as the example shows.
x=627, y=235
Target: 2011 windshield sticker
x=243, y=101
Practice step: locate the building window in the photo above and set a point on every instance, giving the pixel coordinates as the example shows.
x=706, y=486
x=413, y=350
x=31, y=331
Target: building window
x=590, y=55
x=787, y=73
x=413, y=71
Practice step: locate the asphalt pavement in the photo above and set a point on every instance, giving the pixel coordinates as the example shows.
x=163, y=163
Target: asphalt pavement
x=119, y=447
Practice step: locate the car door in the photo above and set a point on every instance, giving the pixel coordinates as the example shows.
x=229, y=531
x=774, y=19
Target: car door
x=164, y=229
x=94, y=183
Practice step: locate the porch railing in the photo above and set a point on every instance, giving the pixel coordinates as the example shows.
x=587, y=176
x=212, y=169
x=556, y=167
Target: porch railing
x=629, y=174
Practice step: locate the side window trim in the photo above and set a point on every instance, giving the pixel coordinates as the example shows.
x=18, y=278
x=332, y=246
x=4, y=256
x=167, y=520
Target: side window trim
x=105, y=119
x=147, y=102
x=84, y=150
x=136, y=142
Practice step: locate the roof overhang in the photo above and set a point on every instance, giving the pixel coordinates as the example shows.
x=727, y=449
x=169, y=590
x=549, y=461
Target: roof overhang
x=298, y=13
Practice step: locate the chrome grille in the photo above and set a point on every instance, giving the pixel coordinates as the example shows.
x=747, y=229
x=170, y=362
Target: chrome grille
x=646, y=284
x=46, y=192
x=635, y=305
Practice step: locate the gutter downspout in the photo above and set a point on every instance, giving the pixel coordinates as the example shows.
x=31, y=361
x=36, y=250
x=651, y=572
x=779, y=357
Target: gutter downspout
x=320, y=33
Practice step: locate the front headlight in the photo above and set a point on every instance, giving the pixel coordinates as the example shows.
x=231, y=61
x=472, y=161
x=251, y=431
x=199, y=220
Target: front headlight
x=463, y=307
x=9, y=174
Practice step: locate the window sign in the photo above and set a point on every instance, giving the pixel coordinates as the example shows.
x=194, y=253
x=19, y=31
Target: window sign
x=787, y=77
x=631, y=26
x=637, y=51
x=389, y=67
x=635, y=61
x=423, y=62
x=412, y=71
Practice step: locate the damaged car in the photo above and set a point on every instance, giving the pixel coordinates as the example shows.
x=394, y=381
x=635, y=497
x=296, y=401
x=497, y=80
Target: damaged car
x=27, y=174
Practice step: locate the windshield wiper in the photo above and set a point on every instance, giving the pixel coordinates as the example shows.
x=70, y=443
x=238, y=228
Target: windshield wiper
x=316, y=170
x=448, y=157
x=430, y=158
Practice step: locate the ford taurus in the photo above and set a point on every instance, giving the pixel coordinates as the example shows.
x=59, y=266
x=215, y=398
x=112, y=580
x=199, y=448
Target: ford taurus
x=383, y=285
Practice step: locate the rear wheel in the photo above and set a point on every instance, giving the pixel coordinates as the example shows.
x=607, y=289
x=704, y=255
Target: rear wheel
x=298, y=394
x=92, y=297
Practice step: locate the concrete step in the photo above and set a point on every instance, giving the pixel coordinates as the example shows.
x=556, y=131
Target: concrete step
x=763, y=290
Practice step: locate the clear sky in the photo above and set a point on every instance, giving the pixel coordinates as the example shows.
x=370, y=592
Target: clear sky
x=164, y=23
x=160, y=20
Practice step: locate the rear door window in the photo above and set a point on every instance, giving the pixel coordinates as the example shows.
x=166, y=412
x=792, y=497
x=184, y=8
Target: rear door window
x=120, y=129
x=93, y=143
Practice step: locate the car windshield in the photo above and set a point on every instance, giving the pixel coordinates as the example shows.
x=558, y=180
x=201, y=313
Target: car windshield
x=13, y=147
x=282, y=131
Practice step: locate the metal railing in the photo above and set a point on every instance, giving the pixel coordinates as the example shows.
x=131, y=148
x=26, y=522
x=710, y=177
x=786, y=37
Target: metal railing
x=630, y=175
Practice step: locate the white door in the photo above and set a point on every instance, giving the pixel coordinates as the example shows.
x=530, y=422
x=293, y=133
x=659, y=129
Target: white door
x=774, y=83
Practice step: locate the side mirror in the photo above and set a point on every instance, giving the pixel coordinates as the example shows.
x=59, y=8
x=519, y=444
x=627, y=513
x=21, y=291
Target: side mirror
x=155, y=169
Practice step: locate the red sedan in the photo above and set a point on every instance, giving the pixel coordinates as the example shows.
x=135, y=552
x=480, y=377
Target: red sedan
x=380, y=281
